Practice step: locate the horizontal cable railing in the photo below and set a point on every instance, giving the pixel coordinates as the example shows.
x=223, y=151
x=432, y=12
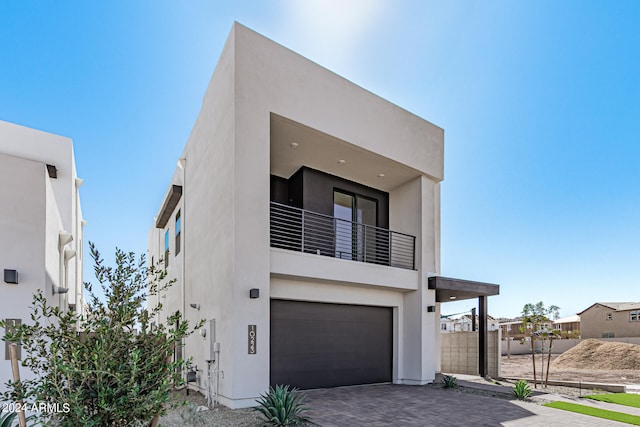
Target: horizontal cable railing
x=310, y=232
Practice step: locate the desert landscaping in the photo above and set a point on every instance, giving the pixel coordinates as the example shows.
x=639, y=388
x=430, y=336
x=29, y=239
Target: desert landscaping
x=590, y=361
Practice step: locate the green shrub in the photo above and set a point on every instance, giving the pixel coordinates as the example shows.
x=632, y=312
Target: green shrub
x=109, y=367
x=449, y=381
x=282, y=406
x=522, y=389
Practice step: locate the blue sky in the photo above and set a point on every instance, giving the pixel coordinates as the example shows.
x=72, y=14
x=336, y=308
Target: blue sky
x=540, y=102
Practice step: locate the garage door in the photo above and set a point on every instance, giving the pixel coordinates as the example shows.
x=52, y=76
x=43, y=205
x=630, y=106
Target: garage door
x=315, y=345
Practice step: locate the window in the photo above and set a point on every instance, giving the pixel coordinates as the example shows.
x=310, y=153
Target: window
x=608, y=316
x=634, y=316
x=178, y=228
x=166, y=248
x=355, y=227
x=443, y=326
x=607, y=335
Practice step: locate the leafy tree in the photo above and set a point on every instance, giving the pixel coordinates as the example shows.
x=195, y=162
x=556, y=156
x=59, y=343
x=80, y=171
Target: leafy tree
x=111, y=367
x=534, y=321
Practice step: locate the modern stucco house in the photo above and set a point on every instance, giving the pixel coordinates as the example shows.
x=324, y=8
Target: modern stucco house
x=303, y=223
x=41, y=225
x=610, y=320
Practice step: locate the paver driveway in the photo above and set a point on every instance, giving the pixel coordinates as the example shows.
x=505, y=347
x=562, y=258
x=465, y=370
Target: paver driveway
x=398, y=405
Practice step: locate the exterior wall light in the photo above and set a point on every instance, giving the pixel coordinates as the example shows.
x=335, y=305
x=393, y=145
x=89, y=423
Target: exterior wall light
x=11, y=276
x=196, y=306
x=254, y=293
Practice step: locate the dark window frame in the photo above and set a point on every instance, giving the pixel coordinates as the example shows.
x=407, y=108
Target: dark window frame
x=166, y=248
x=178, y=227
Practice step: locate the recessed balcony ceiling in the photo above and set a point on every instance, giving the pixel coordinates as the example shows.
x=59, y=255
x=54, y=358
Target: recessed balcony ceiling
x=294, y=145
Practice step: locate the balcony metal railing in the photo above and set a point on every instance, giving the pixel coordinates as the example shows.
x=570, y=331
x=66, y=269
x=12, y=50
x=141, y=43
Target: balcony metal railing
x=310, y=232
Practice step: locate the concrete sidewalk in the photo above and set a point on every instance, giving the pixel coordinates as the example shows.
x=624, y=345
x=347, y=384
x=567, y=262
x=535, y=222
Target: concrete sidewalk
x=540, y=396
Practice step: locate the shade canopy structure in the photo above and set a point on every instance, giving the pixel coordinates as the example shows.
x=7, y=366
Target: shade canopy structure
x=448, y=290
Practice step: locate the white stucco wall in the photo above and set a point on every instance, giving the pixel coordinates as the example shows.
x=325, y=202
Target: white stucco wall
x=35, y=211
x=50, y=149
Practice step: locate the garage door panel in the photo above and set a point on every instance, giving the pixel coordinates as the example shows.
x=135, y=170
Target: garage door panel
x=326, y=345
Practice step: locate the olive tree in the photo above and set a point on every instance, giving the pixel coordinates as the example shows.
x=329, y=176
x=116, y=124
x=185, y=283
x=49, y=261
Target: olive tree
x=111, y=366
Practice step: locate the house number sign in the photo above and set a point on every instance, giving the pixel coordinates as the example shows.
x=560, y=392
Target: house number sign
x=252, y=339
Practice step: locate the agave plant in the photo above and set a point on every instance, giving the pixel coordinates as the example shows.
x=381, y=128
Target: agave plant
x=449, y=381
x=282, y=406
x=7, y=418
x=522, y=389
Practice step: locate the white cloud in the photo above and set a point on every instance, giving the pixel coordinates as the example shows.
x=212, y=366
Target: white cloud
x=330, y=31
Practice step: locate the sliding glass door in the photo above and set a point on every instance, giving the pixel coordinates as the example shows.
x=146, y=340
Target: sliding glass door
x=353, y=214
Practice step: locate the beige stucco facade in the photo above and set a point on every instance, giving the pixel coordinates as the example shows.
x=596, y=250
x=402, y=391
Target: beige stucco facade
x=610, y=320
x=262, y=98
x=40, y=222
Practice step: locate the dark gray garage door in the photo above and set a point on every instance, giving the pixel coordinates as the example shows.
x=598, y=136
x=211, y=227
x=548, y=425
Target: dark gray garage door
x=315, y=345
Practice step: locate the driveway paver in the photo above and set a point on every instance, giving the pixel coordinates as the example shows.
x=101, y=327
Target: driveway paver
x=399, y=405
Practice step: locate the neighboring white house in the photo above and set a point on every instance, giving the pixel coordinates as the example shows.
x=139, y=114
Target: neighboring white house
x=465, y=324
x=303, y=223
x=447, y=325
x=41, y=226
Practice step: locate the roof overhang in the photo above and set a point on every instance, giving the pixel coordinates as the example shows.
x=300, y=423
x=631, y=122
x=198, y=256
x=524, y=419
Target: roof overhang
x=170, y=202
x=448, y=290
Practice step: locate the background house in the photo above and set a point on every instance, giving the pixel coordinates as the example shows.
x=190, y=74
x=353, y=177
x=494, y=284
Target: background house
x=465, y=324
x=610, y=320
x=567, y=327
x=511, y=329
x=41, y=226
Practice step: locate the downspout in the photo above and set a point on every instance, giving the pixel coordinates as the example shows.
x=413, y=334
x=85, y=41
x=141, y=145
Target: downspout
x=182, y=164
x=64, y=238
x=79, y=236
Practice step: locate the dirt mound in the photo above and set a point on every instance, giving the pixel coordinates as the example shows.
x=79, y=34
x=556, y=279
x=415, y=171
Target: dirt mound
x=596, y=354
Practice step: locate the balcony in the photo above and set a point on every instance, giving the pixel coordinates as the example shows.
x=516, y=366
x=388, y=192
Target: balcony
x=310, y=232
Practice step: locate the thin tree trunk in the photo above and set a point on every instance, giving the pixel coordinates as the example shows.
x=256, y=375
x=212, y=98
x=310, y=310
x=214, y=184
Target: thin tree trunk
x=542, y=362
x=546, y=381
x=533, y=358
x=13, y=355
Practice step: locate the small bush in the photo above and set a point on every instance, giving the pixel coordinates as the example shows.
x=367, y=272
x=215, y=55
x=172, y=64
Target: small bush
x=522, y=390
x=282, y=406
x=449, y=381
x=111, y=366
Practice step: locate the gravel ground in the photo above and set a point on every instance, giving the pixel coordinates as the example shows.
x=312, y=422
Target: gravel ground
x=520, y=366
x=219, y=416
x=560, y=390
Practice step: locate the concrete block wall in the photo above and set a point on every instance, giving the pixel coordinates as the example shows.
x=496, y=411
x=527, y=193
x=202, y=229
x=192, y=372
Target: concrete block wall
x=459, y=353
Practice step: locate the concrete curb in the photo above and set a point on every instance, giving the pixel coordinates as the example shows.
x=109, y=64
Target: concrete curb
x=613, y=388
